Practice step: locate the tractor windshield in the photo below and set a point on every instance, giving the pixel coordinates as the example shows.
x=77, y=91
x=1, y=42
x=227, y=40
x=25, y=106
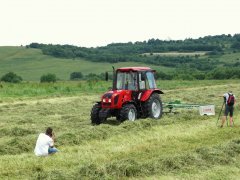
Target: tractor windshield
x=127, y=81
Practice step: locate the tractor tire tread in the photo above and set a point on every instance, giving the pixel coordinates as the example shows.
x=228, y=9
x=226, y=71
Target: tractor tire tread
x=147, y=106
x=123, y=115
x=95, y=114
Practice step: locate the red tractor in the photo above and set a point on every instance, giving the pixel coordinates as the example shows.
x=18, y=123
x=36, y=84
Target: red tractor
x=134, y=95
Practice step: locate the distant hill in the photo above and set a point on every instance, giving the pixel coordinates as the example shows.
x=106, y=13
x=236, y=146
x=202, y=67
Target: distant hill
x=122, y=52
x=31, y=64
x=210, y=57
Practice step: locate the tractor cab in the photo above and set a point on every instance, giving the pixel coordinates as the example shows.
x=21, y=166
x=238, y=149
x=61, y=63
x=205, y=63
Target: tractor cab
x=134, y=94
x=134, y=79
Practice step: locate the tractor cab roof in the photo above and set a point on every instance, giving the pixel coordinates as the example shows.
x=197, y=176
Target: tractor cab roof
x=126, y=69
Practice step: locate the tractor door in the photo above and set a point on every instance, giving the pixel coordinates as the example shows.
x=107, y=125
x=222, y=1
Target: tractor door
x=147, y=81
x=142, y=81
x=151, y=83
x=147, y=85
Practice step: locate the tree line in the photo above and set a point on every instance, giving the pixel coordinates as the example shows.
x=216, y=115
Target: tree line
x=120, y=52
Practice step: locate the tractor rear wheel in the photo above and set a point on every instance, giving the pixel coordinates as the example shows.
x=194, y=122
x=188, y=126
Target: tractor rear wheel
x=95, y=114
x=128, y=112
x=153, y=107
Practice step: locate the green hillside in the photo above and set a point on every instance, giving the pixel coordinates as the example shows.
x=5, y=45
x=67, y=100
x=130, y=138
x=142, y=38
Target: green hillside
x=210, y=57
x=31, y=64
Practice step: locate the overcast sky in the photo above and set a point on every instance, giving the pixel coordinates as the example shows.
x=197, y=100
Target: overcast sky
x=92, y=23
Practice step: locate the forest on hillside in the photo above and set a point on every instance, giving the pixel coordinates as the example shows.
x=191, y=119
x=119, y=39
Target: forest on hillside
x=185, y=66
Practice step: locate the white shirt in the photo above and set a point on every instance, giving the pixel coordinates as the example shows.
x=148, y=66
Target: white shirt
x=226, y=95
x=42, y=145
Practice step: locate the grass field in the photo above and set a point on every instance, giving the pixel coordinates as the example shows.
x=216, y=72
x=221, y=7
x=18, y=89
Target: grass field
x=31, y=64
x=179, y=146
x=199, y=53
x=230, y=57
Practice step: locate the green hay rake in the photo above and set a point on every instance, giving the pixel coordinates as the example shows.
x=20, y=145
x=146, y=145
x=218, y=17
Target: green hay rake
x=177, y=104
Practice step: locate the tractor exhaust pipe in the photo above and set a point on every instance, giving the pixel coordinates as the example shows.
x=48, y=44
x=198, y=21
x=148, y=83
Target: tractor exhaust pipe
x=114, y=72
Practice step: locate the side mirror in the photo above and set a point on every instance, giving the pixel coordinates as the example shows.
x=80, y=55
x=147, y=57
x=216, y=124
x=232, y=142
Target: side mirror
x=106, y=76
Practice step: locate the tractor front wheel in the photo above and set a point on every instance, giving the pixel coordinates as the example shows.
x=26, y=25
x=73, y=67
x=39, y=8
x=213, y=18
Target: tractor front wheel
x=128, y=112
x=95, y=114
x=153, y=107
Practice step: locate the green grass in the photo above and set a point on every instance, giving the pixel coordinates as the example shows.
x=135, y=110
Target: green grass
x=200, y=53
x=31, y=64
x=230, y=57
x=9, y=91
x=181, y=146
x=26, y=90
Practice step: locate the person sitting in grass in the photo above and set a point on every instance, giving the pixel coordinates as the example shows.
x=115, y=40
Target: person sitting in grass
x=45, y=143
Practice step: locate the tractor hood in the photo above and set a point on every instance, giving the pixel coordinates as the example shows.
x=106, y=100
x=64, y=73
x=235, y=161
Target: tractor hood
x=114, y=93
x=115, y=98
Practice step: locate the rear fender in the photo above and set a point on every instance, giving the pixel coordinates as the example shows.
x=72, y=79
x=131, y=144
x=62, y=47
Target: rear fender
x=146, y=94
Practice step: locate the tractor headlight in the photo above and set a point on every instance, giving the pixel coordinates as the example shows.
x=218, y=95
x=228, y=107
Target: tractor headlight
x=106, y=100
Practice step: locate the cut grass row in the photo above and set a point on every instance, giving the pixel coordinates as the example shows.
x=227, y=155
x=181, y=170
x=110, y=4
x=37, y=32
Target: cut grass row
x=177, y=150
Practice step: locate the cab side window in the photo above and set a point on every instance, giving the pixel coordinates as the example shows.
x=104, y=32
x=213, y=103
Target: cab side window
x=150, y=80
